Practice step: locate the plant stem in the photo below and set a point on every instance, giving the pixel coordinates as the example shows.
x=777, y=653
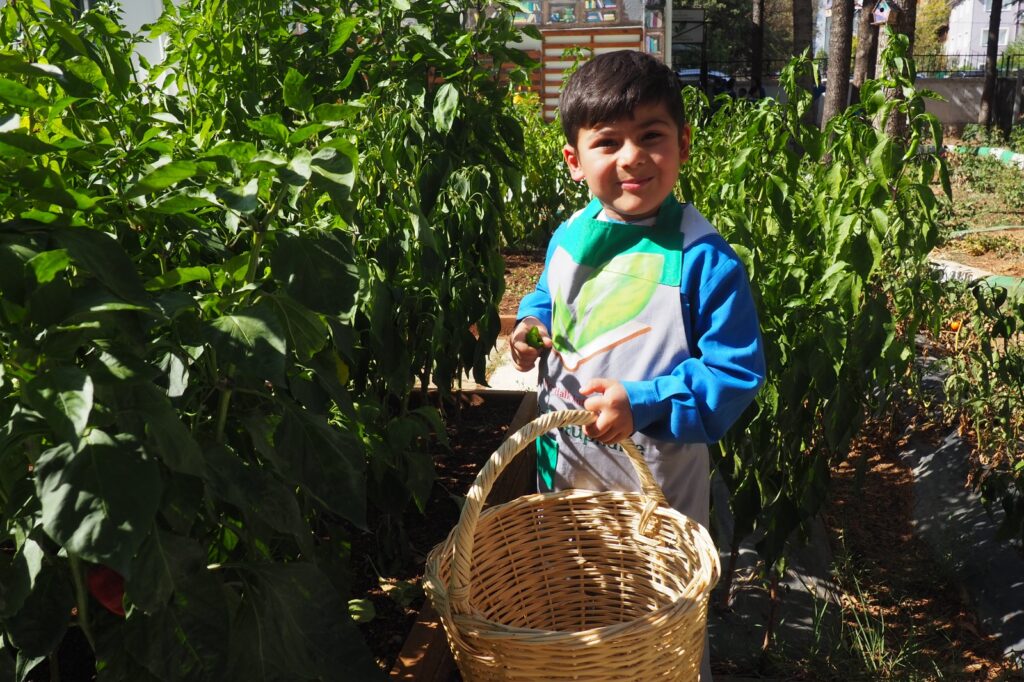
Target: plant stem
x=82, y=598
x=773, y=603
x=222, y=414
x=254, y=257
x=54, y=667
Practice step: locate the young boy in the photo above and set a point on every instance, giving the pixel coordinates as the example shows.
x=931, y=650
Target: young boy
x=644, y=311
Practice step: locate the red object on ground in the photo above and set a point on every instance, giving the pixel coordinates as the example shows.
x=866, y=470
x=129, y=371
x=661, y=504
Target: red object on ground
x=107, y=586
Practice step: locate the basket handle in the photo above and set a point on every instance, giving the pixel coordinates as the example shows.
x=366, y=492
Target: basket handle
x=481, y=488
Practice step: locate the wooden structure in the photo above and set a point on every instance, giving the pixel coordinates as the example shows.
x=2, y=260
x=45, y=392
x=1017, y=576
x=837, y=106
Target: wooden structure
x=589, y=27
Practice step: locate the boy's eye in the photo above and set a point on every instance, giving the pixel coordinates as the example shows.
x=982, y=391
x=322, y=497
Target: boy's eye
x=605, y=142
x=653, y=135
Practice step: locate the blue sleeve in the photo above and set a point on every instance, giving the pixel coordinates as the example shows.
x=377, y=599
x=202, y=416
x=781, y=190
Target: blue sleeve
x=707, y=393
x=537, y=303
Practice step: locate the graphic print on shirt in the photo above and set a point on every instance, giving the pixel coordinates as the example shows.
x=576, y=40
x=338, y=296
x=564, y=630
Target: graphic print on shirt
x=606, y=306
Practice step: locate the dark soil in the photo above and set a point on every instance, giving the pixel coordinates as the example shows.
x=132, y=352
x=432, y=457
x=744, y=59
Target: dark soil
x=522, y=270
x=925, y=613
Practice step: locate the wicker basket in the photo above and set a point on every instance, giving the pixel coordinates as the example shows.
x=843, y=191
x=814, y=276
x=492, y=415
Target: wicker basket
x=574, y=585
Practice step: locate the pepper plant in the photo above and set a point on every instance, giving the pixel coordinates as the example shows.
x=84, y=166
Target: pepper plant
x=221, y=278
x=834, y=227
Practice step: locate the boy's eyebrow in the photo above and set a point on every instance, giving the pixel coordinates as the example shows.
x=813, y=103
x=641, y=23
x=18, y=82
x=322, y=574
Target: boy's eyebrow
x=602, y=128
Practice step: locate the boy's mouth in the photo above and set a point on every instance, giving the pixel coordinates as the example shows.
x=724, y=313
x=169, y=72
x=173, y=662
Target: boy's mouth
x=633, y=184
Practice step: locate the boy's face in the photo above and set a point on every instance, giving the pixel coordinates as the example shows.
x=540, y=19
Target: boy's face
x=632, y=164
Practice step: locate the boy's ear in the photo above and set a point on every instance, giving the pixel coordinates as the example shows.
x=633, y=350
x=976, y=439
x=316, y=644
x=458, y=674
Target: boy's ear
x=572, y=160
x=684, y=144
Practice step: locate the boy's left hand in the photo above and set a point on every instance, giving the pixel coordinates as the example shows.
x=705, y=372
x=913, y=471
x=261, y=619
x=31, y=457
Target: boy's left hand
x=611, y=405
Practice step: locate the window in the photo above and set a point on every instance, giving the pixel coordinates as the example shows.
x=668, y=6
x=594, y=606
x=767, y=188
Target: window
x=1004, y=38
x=567, y=11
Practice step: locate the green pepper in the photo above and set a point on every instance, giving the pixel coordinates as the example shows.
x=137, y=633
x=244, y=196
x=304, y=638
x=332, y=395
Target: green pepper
x=533, y=337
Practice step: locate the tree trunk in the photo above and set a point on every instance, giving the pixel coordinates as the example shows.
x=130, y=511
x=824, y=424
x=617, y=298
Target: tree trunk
x=803, y=29
x=989, y=89
x=756, y=47
x=840, y=40
x=906, y=24
x=867, y=51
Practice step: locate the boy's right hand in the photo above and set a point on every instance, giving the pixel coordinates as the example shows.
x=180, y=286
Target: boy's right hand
x=524, y=355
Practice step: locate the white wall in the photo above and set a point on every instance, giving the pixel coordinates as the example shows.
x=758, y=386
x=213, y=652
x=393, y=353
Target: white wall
x=968, y=27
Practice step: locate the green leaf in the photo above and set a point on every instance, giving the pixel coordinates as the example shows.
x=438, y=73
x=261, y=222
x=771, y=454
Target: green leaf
x=39, y=626
x=47, y=264
x=326, y=461
x=250, y=341
x=318, y=271
x=86, y=78
x=163, y=177
x=270, y=126
x=18, y=95
x=186, y=639
x=335, y=114
x=104, y=258
x=244, y=199
x=305, y=331
x=164, y=562
x=98, y=502
x=241, y=152
x=353, y=69
x=341, y=33
x=302, y=134
x=257, y=493
x=18, y=573
x=361, y=610
x=446, y=104
x=296, y=94
x=177, y=277
x=881, y=160
x=293, y=625
x=334, y=163
x=64, y=397
x=27, y=143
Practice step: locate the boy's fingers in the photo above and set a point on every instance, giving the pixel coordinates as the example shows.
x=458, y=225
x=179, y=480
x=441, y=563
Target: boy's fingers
x=598, y=385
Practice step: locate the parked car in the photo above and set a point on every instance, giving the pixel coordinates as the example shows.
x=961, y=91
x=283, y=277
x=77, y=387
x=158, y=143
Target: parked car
x=718, y=82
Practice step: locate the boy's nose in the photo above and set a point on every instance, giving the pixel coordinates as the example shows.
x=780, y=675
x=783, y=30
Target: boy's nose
x=631, y=154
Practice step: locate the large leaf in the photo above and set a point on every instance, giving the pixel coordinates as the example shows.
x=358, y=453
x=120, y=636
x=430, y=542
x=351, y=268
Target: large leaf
x=18, y=95
x=164, y=562
x=40, y=624
x=186, y=639
x=296, y=94
x=340, y=35
x=256, y=492
x=98, y=502
x=446, y=105
x=318, y=270
x=163, y=177
x=334, y=166
x=305, y=331
x=104, y=258
x=251, y=343
x=64, y=397
x=292, y=624
x=18, y=573
x=326, y=461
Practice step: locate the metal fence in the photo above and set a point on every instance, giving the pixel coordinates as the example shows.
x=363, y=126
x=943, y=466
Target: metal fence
x=965, y=65
x=927, y=65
